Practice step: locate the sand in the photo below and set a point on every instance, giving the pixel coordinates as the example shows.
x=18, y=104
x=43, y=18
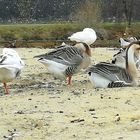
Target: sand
x=40, y=107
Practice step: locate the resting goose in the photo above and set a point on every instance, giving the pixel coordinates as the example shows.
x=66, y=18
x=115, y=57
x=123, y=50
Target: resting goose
x=119, y=58
x=132, y=39
x=123, y=42
x=67, y=60
x=88, y=36
x=105, y=75
x=10, y=66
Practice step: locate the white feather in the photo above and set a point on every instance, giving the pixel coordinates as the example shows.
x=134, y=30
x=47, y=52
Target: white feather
x=88, y=36
x=10, y=65
x=99, y=81
x=55, y=68
x=124, y=43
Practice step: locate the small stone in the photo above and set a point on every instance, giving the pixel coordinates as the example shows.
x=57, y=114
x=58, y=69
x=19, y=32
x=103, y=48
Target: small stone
x=101, y=97
x=91, y=109
x=77, y=120
x=19, y=112
x=60, y=111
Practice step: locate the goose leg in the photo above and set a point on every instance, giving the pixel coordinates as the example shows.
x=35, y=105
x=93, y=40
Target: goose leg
x=6, y=89
x=69, y=80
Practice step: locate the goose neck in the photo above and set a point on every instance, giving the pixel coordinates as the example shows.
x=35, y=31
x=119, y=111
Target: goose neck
x=130, y=63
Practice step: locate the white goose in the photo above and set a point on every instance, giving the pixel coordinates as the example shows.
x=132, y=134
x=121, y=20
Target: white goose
x=109, y=75
x=88, y=36
x=67, y=60
x=10, y=66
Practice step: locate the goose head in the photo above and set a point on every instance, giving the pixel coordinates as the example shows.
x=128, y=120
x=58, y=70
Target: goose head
x=84, y=47
x=119, y=58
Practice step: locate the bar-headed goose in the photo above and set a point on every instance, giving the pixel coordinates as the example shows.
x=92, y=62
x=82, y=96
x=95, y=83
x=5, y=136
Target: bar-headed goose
x=125, y=42
x=88, y=36
x=119, y=58
x=132, y=39
x=10, y=66
x=110, y=75
x=67, y=60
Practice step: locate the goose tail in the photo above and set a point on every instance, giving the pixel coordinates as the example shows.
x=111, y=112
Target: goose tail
x=119, y=84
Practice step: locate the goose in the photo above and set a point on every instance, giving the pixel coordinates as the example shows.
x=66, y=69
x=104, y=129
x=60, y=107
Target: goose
x=67, y=60
x=124, y=42
x=88, y=36
x=132, y=39
x=10, y=66
x=103, y=74
x=119, y=58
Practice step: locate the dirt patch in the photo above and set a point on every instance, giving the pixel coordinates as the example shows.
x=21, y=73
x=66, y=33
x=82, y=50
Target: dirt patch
x=41, y=107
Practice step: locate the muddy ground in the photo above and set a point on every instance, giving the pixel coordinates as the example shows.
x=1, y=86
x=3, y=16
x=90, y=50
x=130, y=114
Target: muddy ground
x=41, y=107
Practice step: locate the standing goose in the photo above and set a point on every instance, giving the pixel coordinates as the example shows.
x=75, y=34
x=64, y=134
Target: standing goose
x=88, y=36
x=110, y=75
x=67, y=60
x=10, y=66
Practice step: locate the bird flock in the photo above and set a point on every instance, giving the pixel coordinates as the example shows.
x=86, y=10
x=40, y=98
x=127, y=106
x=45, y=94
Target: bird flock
x=66, y=60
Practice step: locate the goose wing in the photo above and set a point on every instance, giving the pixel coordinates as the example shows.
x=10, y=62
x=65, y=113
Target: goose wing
x=111, y=72
x=68, y=55
x=9, y=60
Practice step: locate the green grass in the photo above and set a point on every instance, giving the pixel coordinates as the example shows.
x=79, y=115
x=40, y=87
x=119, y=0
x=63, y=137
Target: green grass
x=60, y=31
x=35, y=31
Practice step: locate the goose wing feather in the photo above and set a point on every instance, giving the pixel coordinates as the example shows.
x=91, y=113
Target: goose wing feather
x=68, y=55
x=111, y=72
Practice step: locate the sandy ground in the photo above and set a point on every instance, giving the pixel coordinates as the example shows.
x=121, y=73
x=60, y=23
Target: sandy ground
x=40, y=107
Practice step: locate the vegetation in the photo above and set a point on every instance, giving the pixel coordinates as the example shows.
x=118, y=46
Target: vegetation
x=50, y=35
x=110, y=18
x=61, y=10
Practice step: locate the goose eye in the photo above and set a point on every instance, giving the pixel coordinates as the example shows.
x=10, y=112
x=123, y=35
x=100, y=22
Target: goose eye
x=113, y=61
x=89, y=73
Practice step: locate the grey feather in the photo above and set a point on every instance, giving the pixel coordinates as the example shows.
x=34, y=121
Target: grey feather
x=111, y=72
x=68, y=55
